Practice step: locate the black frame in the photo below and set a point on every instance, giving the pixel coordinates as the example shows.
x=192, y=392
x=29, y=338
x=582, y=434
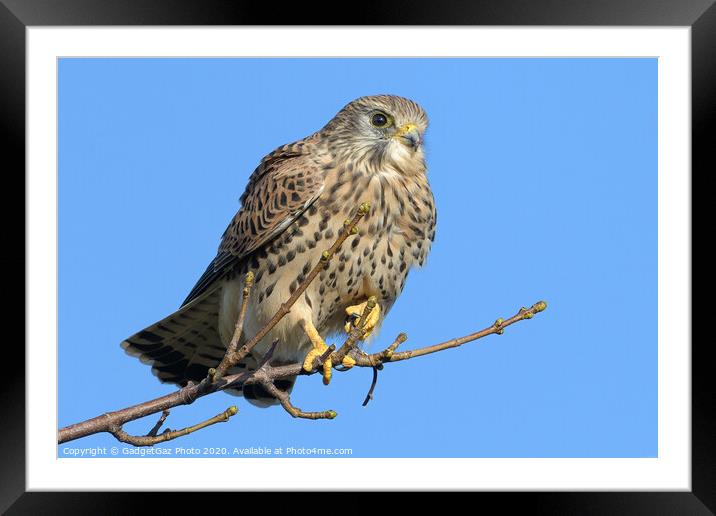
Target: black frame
x=16, y=15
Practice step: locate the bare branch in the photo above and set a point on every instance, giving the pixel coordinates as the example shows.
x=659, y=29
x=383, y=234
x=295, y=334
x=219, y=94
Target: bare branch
x=168, y=435
x=192, y=392
x=356, y=333
x=498, y=327
x=155, y=430
x=265, y=375
x=377, y=360
x=369, y=396
x=230, y=358
x=285, y=400
x=269, y=355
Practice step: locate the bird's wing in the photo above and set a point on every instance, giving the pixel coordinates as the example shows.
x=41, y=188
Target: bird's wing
x=281, y=188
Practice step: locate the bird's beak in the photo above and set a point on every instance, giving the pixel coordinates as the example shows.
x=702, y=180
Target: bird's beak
x=409, y=134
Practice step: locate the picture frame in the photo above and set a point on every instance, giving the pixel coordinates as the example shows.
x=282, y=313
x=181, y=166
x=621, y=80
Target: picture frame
x=15, y=17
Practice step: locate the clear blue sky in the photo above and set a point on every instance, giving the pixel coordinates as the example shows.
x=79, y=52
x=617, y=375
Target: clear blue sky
x=545, y=177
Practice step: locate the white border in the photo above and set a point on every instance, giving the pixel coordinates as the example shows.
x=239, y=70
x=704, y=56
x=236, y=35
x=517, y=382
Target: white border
x=670, y=471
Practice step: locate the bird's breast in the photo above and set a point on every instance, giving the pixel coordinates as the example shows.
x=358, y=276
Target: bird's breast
x=394, y=236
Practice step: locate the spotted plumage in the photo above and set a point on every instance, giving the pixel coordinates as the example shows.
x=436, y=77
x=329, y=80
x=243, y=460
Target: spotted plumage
x=294, y=206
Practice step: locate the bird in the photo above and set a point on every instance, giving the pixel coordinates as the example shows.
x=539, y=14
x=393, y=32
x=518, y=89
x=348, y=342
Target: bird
x=293, y=207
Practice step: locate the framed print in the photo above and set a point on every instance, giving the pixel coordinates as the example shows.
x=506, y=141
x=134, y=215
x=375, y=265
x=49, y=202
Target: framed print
x=227, y=206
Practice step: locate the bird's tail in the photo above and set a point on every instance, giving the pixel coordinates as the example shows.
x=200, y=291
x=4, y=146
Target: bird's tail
x=183, y=346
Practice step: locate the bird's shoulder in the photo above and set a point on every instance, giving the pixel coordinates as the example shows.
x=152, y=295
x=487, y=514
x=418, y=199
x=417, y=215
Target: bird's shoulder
x=282, y=160
x=284, y=184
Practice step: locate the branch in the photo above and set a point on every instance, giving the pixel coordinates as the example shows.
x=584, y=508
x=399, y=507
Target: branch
x=498, y=328
x=378, y=359
x=192, y=392
x=215, y=380
x=159, y=424
x=356, y=333
x=168, y=435
x=373, y=383
x=265, y=375
x=231, y=357
x=285, y=400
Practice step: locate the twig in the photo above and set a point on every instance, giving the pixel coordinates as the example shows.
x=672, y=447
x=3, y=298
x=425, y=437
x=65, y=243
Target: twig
x=231, y=357
x=285, y=400
x=268, y=355
x=158, y=425
x=168, y=435
x=263, y=377
x=369, y=396
x=356, y=333
x=377, y=360
x=498, y=327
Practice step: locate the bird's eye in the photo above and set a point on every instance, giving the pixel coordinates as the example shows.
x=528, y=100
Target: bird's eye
x=380, y=120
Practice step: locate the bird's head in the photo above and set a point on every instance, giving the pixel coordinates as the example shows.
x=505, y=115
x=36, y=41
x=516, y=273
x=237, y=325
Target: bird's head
x=382, y=130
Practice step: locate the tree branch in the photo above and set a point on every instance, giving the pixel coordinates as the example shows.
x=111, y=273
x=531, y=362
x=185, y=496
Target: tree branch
x=357, y=332
x=168, y=435
x=373, y=383
x=155, y=430
x=265, y=375
x=498, y=328
x=231, y=357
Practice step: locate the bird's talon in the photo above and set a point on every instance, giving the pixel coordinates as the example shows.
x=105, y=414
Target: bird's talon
x=351, y=321
x=354, y=314
x=318, y=350
x=327, y=366
x=327, y=371
x=348, y=361
x=310, y=358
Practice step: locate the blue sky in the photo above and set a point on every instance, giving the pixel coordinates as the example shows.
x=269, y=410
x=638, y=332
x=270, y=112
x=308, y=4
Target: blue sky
x=545, y=178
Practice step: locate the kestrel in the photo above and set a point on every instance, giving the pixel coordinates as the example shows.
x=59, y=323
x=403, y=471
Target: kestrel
x=294, y=205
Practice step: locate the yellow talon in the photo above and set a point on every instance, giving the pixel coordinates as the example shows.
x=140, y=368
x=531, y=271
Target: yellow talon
x=354, y=313
x=348, y=361
x=319, y=347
